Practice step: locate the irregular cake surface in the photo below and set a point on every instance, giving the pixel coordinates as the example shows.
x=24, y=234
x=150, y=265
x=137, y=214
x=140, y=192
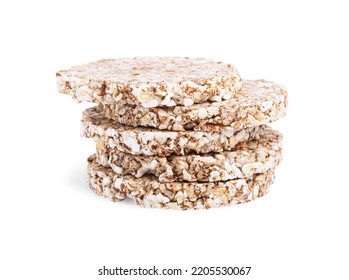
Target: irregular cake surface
x=149, y=192
x=150, y=141
x=150, y=81
x=248, y=158
x=259, y=102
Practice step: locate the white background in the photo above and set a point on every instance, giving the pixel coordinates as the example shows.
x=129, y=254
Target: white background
x=54, y=227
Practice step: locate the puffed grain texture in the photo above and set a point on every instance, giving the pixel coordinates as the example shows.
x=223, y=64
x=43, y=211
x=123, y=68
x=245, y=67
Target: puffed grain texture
x=149, y=192
x=259, y=102
x=150, y=81
x=148, y=141
x=247, y=159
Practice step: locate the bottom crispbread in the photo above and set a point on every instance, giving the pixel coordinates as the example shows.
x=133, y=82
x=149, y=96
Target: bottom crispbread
x=147, y=191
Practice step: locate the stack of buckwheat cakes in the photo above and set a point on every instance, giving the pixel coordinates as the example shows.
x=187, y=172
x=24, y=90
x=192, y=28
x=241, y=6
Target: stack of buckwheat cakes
x=179, y=133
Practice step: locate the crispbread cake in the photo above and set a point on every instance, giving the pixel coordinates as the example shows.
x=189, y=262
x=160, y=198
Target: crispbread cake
x=177, y=132
x=259, y=102
x=247, y=159
x=149, y=192
x=150, y=81
x=148, y=141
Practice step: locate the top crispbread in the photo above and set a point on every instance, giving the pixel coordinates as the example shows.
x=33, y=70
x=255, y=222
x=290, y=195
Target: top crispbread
x=150, y=81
